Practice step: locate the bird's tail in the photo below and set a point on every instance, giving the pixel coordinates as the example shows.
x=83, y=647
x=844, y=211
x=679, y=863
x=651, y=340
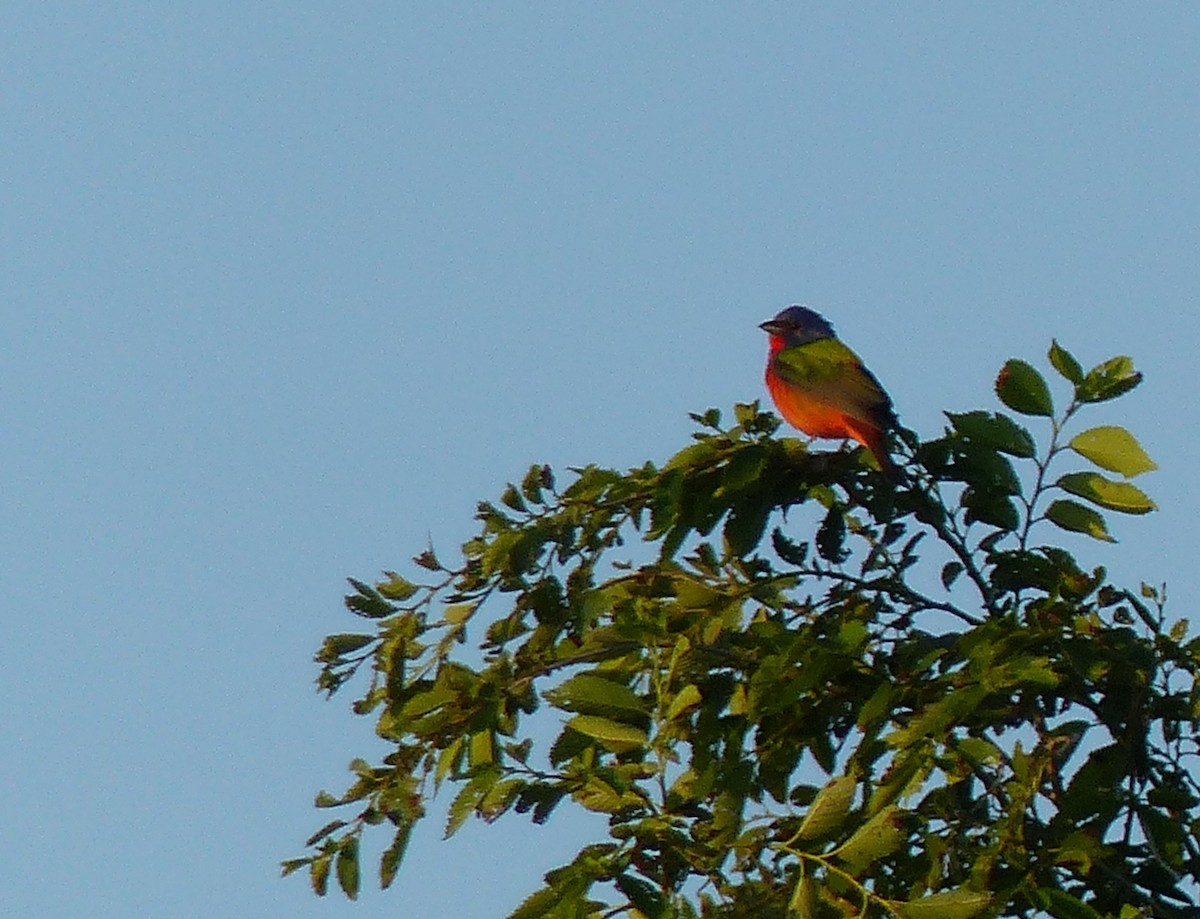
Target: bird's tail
x=876, y=442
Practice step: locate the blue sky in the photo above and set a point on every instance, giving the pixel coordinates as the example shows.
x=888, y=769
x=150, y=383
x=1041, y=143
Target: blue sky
x=286, y=288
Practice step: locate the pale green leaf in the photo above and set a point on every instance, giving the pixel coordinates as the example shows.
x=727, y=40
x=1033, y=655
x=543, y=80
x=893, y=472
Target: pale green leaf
x=1113, y=448
x=829, y=807
x=590, y=694
x=611, y=733
x=686, y=698
x=879, y=836
x=949, y=904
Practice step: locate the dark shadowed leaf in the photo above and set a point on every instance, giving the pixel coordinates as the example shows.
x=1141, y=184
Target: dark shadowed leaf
x=1023, y=389
x=994, y=430
x=1064, y=362
x=641, y=894
x=347, y=867
x=951, y=572
x=1073, y=516
x=393, y=855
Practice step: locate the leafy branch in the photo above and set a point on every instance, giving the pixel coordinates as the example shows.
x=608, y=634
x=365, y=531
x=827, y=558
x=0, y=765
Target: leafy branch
x=754, y=682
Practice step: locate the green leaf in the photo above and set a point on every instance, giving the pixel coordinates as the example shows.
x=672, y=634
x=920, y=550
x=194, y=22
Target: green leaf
x=368, y=602
x=1073, y=516
x=1113, y=378
x=950, y=573
x=330, y=827
x=881, y=835
x=318, y=874
x=743, y=468
x=1023, y=389
x=468, y=799
x=1113, y=448
x=611, y=733
x=993, y=509
x=949, y=904
x=599, y=796
x=686, y=698
x=745, y=525
x=829, y=808
x=458, y=613
x=1062, y=905
x=996, y=431
x=1064, y=362
x=641, y=894
x=336, y=646
x=595, y=695
x=533, y=483
x=1114, y=496
x=396, y=588
x=803, y=902
x=292, y=865
x=512, y=498
x=389, y=862
x=537, y=904
x=347, y=867
x=693, y=456
x=831, y=536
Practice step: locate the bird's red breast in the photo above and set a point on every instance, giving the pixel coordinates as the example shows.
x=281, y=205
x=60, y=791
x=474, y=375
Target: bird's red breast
x=806, y=411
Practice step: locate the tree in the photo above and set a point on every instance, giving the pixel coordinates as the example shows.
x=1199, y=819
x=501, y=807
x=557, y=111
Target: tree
x=795, y=689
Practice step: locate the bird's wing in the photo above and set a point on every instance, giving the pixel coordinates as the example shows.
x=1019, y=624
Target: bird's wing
x=832, y=373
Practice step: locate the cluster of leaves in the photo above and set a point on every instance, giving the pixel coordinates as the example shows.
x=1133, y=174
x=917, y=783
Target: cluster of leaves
x=786, y=726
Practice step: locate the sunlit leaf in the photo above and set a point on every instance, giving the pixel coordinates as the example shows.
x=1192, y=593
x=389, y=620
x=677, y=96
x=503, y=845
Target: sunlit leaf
x=881, y=835
x=1114, y=496
x=396, y=588
x=610, y=732
x=829, y=808
x=318, y=874
x=949, y=904
x=596, y=695
x=803, y=902
x=1113, y=448
x=686, y=698
x=1113, y=378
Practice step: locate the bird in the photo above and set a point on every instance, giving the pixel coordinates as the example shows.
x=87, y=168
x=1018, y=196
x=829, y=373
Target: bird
x=822, y=387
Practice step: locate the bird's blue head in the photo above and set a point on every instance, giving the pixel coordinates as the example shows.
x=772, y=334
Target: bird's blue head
x=798, y=325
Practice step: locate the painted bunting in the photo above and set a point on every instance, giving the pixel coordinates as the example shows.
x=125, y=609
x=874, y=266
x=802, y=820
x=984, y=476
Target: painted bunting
x=821, y=387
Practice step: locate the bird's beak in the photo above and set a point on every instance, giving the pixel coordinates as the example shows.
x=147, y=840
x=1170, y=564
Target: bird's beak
x=771, y=327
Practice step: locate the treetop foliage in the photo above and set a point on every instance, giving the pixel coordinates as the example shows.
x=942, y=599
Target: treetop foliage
x=794, y=688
